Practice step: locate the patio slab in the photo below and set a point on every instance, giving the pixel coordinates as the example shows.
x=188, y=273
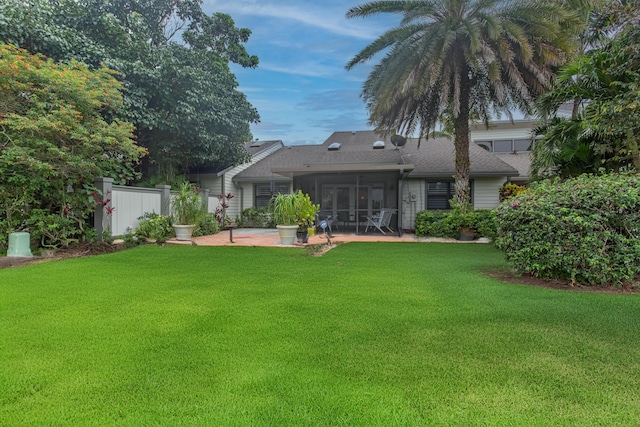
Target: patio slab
x=269, y=237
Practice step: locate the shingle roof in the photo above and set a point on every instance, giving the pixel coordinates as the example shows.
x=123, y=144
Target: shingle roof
x=254, y=147
x=519, y=161
x=435, y=157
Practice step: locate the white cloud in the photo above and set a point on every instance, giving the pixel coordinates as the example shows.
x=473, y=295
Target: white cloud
x=329, y=19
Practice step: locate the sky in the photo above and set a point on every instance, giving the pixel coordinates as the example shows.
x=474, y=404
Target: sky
x=301, y=88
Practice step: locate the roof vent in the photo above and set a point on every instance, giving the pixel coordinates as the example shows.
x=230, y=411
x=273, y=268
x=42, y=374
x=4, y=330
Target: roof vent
x=256, y=143
x=378, y=145
x=334, y=146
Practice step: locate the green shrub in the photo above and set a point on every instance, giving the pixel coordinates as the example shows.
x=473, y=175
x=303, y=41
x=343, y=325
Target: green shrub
x=509, y=190
x=447, y=224
x=155, y=227
x=206, y=226
x=586, y=229
x=256, y=217
x=52, y=231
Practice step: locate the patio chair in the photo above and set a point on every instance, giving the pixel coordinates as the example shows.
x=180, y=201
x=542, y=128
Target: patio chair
x=380, y=220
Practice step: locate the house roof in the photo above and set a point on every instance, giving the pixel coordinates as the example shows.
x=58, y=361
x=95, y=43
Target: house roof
x=252, y=147
x=356, y=153
x=255, y=147
x=519, y=161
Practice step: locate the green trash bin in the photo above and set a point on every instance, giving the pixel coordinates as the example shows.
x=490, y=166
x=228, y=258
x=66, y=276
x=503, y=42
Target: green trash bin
x=19, y=244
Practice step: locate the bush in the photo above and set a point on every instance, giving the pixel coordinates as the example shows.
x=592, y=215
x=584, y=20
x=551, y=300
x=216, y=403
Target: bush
x=155, y=227
x=586, y=229
x=256, y=217
x=447, y=224
x=509, y=190
x=207, y=225
x=436, y=224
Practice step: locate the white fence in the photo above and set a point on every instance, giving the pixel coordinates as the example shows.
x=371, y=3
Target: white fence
x=124, y=205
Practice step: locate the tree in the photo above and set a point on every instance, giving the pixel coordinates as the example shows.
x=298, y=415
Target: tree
x=463, y=58
x=173, y=59
x=54, y=140
x=603, y=133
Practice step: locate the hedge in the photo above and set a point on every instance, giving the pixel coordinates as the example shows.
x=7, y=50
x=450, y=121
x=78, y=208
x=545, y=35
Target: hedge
x=585, y=229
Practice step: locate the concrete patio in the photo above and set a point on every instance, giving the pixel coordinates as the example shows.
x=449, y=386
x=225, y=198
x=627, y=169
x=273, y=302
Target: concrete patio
x=269, y=237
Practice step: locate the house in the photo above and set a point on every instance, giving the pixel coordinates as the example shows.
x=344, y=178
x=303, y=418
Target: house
x=353, y=175
x=221, y=181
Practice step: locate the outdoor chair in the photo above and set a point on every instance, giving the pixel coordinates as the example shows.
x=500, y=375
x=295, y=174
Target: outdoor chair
x=380, y=220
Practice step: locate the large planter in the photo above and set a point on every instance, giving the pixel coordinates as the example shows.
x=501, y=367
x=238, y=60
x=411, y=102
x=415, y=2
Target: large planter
x=287, y=234
x=183, y=232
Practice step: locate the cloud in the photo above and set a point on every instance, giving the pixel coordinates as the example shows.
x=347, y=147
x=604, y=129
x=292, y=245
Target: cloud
x=329, y=19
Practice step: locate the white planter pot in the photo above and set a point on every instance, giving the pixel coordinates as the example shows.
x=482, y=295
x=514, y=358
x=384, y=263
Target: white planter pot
x=287, y=234
x=183, y=232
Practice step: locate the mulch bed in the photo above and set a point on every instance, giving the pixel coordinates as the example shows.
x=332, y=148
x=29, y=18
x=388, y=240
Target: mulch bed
x=84, y=250
x=507, y=276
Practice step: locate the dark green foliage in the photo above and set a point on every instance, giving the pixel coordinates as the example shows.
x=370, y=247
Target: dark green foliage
x=585, y=229
x=435, y=224
x=173, y=60
x=257, y=218
x=155, y=227
x=448, y=223
x=207, y=224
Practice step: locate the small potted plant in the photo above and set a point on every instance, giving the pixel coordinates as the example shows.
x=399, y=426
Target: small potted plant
x=291, y=212
x=187, y=207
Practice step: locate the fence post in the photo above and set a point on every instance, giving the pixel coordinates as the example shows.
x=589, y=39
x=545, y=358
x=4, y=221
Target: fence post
x=165, y=199
x=205, y=195
x=101, y=219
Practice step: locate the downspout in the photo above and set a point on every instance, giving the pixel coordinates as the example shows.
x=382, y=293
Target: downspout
x=400, y=213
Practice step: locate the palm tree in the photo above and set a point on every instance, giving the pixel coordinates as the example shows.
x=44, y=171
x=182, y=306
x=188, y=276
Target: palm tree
x=603, y=133
x=464, y=58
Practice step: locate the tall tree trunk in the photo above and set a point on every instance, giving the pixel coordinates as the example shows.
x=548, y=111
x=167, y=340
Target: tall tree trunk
x=461, y=142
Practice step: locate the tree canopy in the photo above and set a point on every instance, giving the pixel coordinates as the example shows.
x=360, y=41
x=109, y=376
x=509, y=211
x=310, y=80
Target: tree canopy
x=462, y=58
x=173, y=60
x=54, y=140
x=603, y=85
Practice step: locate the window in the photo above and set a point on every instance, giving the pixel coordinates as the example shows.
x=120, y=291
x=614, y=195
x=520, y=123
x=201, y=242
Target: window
x=263, y=192
x=507, y=145
x=502, y=146
x=439, y=193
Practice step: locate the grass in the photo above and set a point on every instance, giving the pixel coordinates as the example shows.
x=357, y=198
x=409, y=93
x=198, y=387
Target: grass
x=379, y=334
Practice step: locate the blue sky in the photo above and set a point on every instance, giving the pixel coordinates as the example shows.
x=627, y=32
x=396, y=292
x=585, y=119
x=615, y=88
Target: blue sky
x=301, y=87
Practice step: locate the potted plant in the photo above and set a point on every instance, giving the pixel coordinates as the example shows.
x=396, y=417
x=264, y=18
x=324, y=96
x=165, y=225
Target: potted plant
x=305, y=216
x=291, y=212
x=187, y=207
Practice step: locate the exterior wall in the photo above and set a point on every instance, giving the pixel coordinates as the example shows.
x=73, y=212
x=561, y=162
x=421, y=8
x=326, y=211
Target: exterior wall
x=413, y=201
x=211, y=182
x=485, y=192
x=485, y=196
x=517, y=130
x=224, y=184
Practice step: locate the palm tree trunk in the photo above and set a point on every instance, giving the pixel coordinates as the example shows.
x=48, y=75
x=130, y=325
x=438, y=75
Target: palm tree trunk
x=461, y=142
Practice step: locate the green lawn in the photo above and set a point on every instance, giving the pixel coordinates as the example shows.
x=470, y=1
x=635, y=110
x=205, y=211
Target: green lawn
x=370, y=334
